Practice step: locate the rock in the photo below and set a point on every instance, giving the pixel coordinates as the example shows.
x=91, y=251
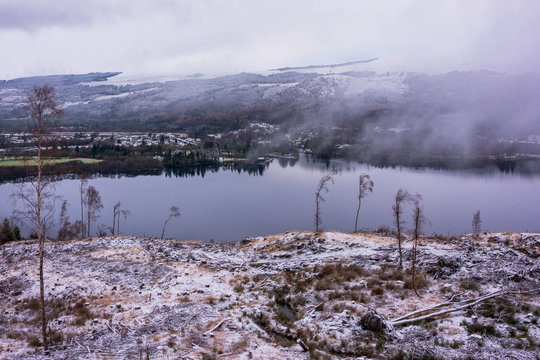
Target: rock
x=375, y=322
x=246, y=241
x=446, y=288
x=443, y=267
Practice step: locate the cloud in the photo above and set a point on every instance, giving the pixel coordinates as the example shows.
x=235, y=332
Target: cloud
x=33, y=15
x=242, y=35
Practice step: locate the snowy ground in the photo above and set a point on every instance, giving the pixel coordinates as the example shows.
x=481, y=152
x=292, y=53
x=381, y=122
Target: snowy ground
x=124, y=298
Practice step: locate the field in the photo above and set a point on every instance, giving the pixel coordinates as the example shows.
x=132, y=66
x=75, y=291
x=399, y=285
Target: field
x=10, y=161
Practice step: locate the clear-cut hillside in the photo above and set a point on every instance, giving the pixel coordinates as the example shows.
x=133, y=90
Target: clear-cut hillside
x=290, y=296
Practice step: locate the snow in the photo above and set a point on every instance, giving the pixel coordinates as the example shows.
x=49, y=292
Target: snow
x=68, y=104
x=108, y=97
x=276, y=89
x=170, y=295
x=138, y=79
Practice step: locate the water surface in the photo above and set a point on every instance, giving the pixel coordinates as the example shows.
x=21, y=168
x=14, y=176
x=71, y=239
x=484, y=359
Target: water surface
x=227, y=205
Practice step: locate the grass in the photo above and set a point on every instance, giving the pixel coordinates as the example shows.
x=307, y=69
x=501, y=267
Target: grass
x=469, y=285
x=478, y=328
x=14, y=161
x=421, y=280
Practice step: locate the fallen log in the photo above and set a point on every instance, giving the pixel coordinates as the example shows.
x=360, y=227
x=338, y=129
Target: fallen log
x=468, y=303
x=405, y=319
x=416, y=312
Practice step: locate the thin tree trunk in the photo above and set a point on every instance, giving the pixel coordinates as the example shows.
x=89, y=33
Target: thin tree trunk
x=118, y=224
x=163, y=231
x=418, y=220
x=88, y=220
x=414, y=268
x=357, y=212
x=40, y=242
x=82, y=210
x=317, y=216
x=399, y=240
x=114, y=220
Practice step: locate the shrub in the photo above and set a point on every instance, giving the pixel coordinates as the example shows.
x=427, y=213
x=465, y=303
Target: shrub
x=377, y=290
x=33, y=341
x=469, y=285
x=421, y=282
x=81, y=312
x=478, y=328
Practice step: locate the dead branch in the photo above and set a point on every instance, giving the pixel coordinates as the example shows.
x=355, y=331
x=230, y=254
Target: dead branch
x=191, y=318
x=464, y=304
x=110, y=328
x=215, y=327
x=426, y=309
x=302, y=345
x=314, y=308
x=259, y=284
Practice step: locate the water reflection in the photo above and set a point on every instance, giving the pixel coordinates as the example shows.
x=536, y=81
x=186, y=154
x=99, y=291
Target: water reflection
x=231, y=201
x=251, y=168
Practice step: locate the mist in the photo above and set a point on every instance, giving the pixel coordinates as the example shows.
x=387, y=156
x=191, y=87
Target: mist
x=227, y=37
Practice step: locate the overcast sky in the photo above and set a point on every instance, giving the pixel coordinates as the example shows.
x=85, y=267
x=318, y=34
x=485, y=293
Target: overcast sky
x=40, y=37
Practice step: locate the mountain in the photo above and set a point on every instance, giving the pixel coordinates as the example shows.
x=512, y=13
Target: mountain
x=449, y=113
x=89, y=100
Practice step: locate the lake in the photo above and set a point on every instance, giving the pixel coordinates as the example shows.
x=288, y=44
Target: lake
x=229, y=205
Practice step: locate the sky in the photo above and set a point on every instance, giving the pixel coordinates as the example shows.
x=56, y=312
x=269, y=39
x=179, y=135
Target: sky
x=183, y=37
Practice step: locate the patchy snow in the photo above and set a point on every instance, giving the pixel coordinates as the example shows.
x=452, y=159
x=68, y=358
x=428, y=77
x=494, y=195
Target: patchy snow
x=275, y=89
x=117, y=297
x=382, y=83
x=138, y=79
x=68, y=104
x=108, y=97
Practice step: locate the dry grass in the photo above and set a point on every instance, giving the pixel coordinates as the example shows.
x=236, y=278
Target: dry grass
x=421, y=282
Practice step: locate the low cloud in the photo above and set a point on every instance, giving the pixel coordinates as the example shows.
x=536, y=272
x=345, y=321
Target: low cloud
x=240, y=35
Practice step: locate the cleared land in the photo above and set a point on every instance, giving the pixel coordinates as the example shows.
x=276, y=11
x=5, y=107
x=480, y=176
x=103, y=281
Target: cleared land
x=132, y=298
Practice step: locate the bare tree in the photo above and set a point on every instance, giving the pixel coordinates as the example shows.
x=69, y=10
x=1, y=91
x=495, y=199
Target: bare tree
x=402, y=198
x=64, y=221
x=365, y=186
x=93, y=206
x=322, y=187
x=39, y=199
x=82, y=188
x=27, y=210
x=125, y=214
x=102, y=231
x=67, y=230
x=116, y=207
x=175, y=212
x=419, y=220
x=476, y=223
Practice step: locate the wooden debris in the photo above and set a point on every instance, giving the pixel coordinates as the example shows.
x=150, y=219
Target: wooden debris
x=215, y=327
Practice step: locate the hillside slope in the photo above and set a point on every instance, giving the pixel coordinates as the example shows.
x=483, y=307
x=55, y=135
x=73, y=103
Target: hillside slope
x=267, y=298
